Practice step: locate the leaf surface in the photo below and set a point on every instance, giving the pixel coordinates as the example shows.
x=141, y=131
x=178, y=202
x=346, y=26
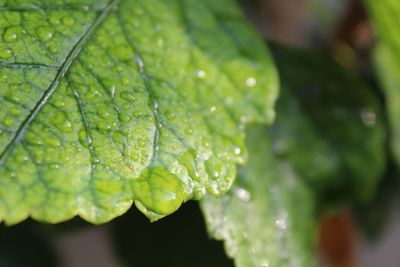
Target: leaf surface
x=326, y=146
x=387, y=60
x=268, y=217
x=330, y=125
x=108, y=103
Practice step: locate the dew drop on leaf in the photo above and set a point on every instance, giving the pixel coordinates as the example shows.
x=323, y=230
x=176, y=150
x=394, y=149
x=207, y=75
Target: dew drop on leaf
x=201, y=74
x=9, y=122
x=251, y=82
x=238, y=151
x=128, y=96
x=5, y=53
x=124, y=117
x=45, y=33
x=11, y=34
x=103, y=126
x=243, y=194
x=282, y=223
x=103, y=113
x=68, y=21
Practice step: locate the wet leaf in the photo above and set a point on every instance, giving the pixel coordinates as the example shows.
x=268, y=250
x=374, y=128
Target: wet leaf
x=385, y=19
x=268, y=217
x=108, y=103
x=328, y=130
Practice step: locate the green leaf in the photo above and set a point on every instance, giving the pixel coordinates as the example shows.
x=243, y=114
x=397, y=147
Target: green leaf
x=374, y=217
x=330, y=126
x=268, y=217
x=108, y=103
x=387, y=60
x=327, y=144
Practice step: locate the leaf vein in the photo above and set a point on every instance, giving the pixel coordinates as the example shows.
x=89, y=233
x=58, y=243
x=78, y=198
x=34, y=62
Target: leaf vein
x=61, y=74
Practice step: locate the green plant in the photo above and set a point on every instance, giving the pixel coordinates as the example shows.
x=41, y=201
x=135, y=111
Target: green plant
x=105, y=104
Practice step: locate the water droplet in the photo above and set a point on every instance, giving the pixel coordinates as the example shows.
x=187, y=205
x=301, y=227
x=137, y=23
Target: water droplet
x=251, y=82
x=66, y=126
x=206, y=143
x=5, y=53
x=9, y=122
x=368, y=117
x=201, y=74
x=125, y=80
x=141, y=143
x=68, y=21
x=243, y=194
x=128, y=96
x=11, y=34
x=13, y=98
x=45, y=33
x=238, y=151
x=54, y=18
x=124, y=117
x=60, y=121
x=103, y=113
x=21, y=157
x=189, y=131
x=97, y=161
x=103, y=126
x=213, y=188
x=16, y=111
x=58, y=103
x=52, y=141
x=168, y=197
x=282, y=223
x=54, y=48
x=170, y=115
x=245, y=119
x=55, y=166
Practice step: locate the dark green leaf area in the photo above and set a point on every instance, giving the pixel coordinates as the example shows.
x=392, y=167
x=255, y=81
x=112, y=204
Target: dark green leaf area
x=329, y=126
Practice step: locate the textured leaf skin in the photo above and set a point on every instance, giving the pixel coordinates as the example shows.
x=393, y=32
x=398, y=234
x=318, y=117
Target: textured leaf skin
x=387, y=58
x=268, y=217
x=330, y=127
x=108, y=103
